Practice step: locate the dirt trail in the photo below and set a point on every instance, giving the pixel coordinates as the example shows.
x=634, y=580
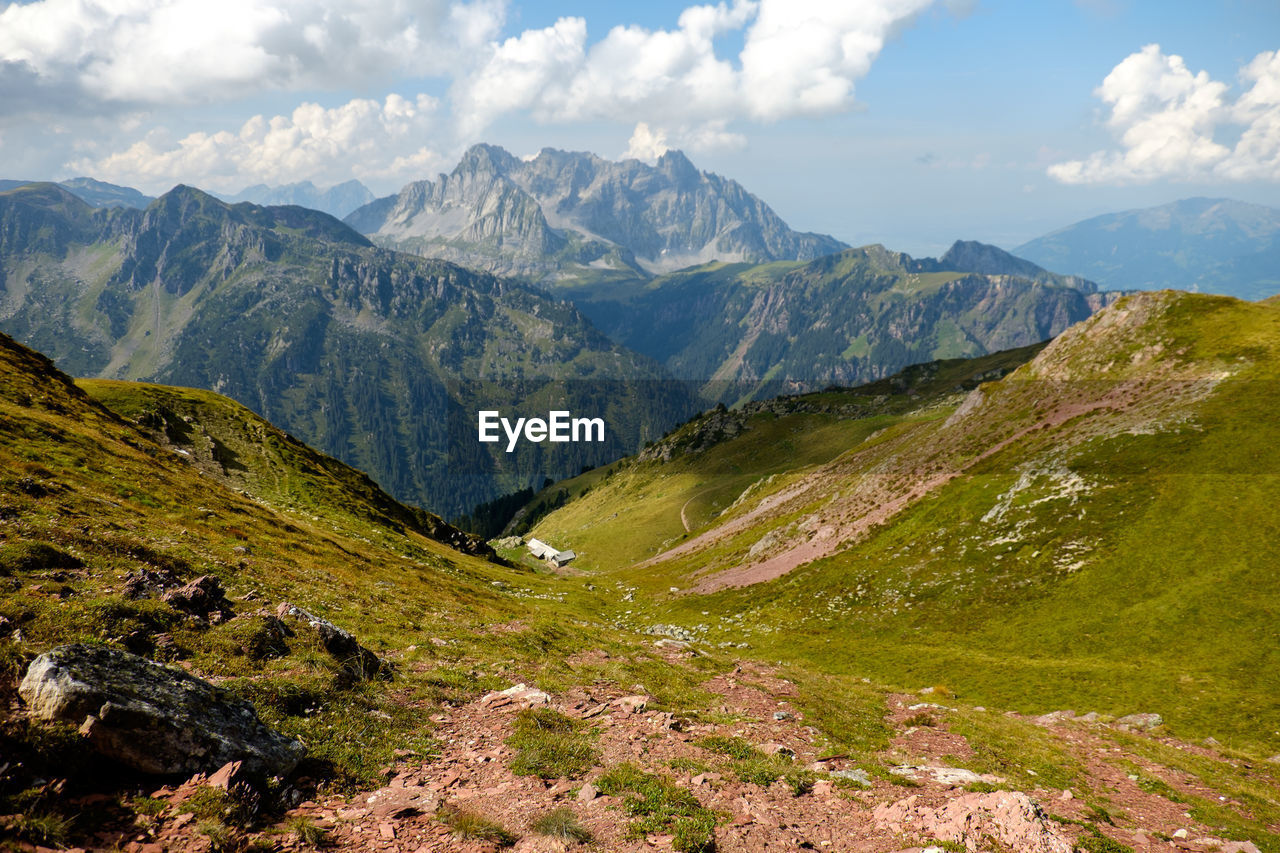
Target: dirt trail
x=882, y=498
x=474, y=772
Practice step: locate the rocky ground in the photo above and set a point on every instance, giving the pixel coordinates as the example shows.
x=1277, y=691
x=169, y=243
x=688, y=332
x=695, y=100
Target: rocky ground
x=923, y=803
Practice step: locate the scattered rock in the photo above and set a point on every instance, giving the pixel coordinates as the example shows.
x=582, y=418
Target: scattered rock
x=150, y=717
x=587, y=793
x=952, y=776
x=632, y=704
x=781, y=716
x=1054, y=717
x=855, y=775
x=202, y=597
x=147, y=582
x=1141, y=722
x=228, y=776
x=338, y=642
x=1009, y=817
x=778, y=749
x=520, y=694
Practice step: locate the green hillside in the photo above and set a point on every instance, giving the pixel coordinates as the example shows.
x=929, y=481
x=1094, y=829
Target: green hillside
x=1093, y=531
x=88, y=500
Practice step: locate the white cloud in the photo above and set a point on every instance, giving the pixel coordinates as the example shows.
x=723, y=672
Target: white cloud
x=363, y=139
x=181, y=51
x=646, y=144
x=1169, y=121
x=137, y=57
x=800, y=58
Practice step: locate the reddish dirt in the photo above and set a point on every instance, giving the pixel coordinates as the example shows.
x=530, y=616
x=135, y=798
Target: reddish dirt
x=473, y=772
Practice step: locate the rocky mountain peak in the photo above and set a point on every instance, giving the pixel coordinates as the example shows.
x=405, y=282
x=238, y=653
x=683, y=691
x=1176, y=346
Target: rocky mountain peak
x=570, y=214
x=486, y=158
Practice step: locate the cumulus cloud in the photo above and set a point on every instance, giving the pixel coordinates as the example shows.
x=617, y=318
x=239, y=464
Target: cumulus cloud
x=363, y=139
x=136, y=57
x=181, y=51
x=800, y=58
x=1169, y=122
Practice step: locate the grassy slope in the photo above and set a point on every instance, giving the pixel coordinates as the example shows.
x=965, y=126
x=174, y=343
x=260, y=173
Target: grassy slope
x=1123, y=559
x=77, y=477
x=231, y=444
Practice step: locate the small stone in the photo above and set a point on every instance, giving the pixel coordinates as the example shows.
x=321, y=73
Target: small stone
x=783, y=715
x=632, y=704
x=1141, y=722
x=778, y=749
x=587, y=793
x=387, y=831
x=1180, y=833
x=228, y=776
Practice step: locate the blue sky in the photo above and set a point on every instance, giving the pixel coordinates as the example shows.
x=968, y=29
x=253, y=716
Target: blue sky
x=906, y=122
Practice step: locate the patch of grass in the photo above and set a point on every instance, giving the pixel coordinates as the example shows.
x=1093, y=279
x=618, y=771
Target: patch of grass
x=685, y=764
x=949, y=846
x=43, y=827
x=309, y=832
x=214, y=804
x=551, y=745
x=734, y=747
x=1022, y=752
x=149, y=806
x=562, y=823
x=1097, y=814
x=473, y=826
x=34, y=556
x=1160, y=788
x=658, y=805
x=801, y=781
x=1096, y=842
x=761, y=771
x=222, y=838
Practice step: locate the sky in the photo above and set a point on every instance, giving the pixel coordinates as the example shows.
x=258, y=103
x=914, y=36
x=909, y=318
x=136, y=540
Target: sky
x=910, y=123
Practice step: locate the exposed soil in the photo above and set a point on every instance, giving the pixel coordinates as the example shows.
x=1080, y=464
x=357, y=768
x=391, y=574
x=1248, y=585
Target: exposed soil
x=892, y=813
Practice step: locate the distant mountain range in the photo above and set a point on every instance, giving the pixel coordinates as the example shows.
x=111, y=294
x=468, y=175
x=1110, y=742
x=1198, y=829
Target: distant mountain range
x=377, y=358
x=563, y=216
x=338, y=200
x=759, y=330
x=94, y=192
x=1211, y=245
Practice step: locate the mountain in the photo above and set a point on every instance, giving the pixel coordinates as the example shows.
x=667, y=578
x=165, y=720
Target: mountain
x=103, y=194
x=94, y=192
x=379, y=359
x=338, y=200
x=561, y=216
x=1092, y=529
x=845, y=318
x=1209, y=245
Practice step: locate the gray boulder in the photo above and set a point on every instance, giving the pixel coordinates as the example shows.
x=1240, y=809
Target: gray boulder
x=1141, y=722
x=150, y=717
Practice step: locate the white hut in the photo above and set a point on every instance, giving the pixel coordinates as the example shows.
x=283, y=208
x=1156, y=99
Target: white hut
x=543, y=551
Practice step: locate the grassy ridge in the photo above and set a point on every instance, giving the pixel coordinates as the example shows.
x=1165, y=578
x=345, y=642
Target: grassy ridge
x=1107, y=542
